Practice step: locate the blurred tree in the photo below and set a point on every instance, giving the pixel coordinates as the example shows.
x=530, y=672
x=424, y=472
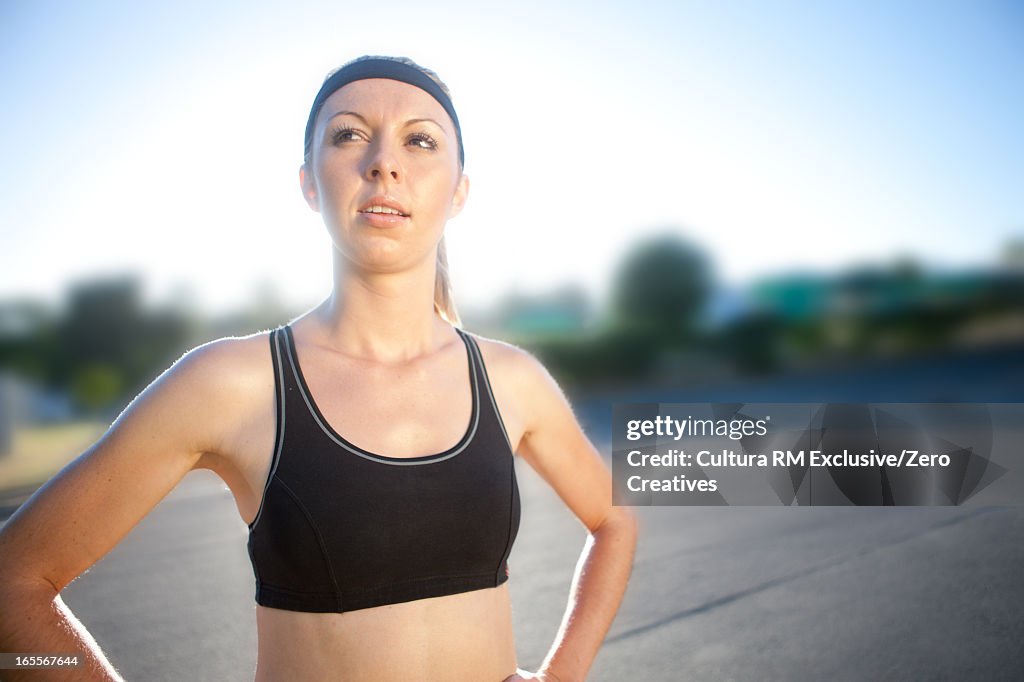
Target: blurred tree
x=754, y=342
x=95, y=387
x=103, y=345
x=101, y=324
x=105, y=326
x=25, y=344
x=661, y=289
x=658, y=295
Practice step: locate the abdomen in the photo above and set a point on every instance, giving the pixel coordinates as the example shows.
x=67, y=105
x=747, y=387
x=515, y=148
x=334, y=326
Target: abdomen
x=455, y=638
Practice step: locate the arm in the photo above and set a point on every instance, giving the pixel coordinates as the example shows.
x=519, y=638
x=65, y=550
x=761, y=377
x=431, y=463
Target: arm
x=86, y=509
x=555, y=446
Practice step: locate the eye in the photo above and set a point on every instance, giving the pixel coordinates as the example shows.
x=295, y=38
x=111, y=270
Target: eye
x=344, y=134
x=423, y=141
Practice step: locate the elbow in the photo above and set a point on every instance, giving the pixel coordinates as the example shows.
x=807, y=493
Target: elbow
x=26, y=603
x=16, y=588
x=18, y=584
x=622, y=524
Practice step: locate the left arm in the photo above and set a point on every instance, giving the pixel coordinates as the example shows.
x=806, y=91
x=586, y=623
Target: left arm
x=555, y=446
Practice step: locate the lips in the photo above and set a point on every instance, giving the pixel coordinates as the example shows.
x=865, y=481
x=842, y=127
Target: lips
x=383, y=205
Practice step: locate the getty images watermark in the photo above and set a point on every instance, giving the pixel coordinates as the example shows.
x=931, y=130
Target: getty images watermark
x=818, y=454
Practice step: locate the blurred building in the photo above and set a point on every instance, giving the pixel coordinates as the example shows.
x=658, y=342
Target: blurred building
x=900, y=288
x=24, y=402
x=566, y=312
x=895, y=309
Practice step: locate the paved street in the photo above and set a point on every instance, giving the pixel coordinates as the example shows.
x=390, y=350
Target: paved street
x=717, y=593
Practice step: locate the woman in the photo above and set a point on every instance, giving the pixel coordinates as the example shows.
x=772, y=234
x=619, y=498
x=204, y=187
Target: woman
x=368, y=566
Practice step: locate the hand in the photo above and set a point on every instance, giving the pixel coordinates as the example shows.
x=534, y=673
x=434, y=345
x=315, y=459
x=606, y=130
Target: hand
x=524, y=676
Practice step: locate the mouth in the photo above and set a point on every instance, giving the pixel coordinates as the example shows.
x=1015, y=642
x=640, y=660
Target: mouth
x=383, y=206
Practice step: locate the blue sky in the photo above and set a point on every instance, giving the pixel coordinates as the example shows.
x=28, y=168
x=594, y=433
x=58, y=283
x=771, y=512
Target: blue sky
x=775, y=135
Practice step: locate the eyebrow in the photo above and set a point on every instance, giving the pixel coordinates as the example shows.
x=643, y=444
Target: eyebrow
x=410, y=122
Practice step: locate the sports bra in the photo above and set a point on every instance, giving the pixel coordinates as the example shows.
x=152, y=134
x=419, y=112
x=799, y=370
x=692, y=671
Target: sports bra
x=341, y=528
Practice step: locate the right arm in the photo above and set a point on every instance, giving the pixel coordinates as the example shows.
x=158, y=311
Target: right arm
x=87, y=508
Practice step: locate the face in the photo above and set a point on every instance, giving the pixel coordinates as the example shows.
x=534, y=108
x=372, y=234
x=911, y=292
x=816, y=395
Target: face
x=385, y=173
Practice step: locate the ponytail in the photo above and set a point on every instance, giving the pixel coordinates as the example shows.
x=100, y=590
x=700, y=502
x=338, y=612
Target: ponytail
x=444, y=302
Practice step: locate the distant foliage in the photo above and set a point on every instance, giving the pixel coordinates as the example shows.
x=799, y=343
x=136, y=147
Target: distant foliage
x=659, y=294
x=105, y=345
x=661, y=288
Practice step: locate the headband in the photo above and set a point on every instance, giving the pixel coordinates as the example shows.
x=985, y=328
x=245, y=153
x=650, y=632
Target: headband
x=380, y=68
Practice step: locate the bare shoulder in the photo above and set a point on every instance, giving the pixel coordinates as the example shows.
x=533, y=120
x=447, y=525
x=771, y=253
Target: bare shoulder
x=523, y=388
x=232, y=376
x=232, y=363
x=200, y=401
x=513, y=366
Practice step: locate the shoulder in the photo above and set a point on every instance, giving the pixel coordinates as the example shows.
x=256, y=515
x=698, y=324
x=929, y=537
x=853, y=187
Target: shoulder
x=227, y=363
x=519, y=378
x=207, y=388
x=202, y=401
x=509, y=362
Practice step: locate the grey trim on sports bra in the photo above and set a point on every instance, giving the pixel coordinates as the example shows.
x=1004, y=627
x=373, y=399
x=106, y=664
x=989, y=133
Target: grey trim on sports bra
x=490, y=390
x=279, y=439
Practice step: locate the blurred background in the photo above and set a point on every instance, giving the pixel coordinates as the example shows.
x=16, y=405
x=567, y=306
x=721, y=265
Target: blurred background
x=666, y=196
x=691, y=201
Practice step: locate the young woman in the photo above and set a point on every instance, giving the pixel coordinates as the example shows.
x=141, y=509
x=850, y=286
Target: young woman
x=368, y=444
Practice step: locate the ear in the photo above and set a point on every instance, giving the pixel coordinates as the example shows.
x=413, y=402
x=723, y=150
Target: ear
x=309, y=190
x=460, y=196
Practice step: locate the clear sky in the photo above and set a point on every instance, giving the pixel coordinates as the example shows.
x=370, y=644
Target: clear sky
x=165, y=139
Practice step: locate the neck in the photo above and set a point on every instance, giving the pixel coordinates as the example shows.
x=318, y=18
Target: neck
x=389, y=317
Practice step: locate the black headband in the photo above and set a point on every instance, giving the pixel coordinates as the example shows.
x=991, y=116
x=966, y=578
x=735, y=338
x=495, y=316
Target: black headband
x=380, y=68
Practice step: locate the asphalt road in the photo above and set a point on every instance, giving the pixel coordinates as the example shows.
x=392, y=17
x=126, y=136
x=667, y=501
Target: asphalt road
x=716, y=594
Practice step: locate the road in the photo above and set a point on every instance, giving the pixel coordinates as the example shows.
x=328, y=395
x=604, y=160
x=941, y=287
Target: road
x=716, y=594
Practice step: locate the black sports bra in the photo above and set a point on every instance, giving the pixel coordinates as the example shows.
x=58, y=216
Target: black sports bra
x=341, y=528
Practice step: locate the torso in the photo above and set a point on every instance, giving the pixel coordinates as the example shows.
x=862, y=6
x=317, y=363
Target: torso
x=426, y=404
x=456, y=638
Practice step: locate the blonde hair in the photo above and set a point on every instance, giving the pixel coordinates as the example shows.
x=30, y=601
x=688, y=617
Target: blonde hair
x=444, y=300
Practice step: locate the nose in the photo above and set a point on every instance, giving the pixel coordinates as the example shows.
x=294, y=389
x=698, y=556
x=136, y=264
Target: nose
x=383, y=164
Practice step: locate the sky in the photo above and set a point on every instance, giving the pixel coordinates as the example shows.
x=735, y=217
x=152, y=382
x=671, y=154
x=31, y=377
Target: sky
x=165, y=140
